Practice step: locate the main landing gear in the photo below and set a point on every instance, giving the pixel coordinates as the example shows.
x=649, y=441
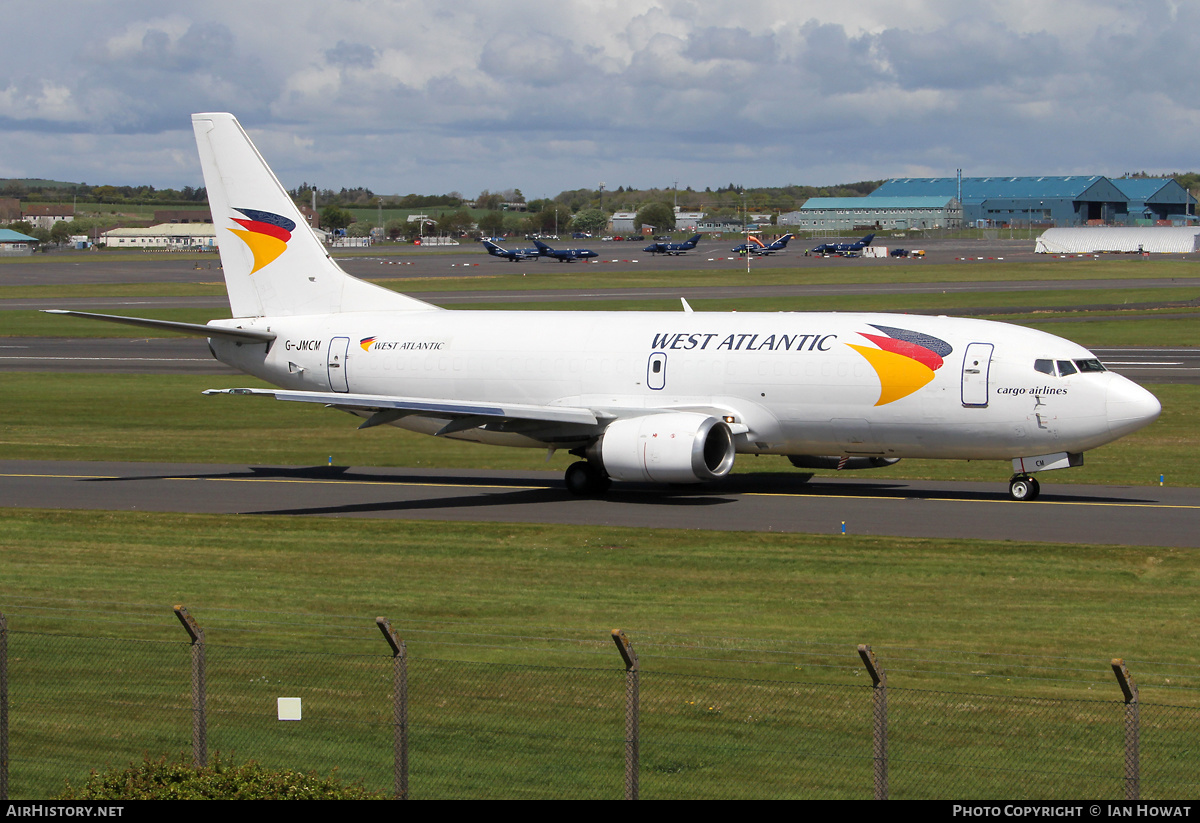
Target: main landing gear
x=586, y=480
x=1023, y=487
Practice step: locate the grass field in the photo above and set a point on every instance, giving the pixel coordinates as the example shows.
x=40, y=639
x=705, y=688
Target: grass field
x=524, y=578
x=538, y=275
x=1090, y=311
x=997, y=654
x=166, y=418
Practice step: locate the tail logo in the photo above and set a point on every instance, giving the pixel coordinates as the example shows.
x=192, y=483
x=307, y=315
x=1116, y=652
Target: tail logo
x=265, y=233
x=905, y=360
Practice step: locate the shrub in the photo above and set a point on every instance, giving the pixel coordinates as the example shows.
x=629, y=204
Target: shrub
x=220, y=780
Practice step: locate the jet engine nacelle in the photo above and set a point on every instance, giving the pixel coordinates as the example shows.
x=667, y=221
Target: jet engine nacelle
x=817, y=461
x=675, y=447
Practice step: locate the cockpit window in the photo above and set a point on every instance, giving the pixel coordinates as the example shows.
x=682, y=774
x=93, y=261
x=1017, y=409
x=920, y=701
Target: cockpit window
x=1067, y=367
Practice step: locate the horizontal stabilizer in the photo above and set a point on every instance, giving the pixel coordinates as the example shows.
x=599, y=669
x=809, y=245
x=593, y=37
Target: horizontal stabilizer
x=193, y=329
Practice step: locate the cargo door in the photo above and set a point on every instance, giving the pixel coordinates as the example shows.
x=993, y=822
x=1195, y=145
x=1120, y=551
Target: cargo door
x=336, y=364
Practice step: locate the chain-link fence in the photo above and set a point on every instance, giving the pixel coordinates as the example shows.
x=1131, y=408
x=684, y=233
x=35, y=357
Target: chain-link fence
x=462, y=712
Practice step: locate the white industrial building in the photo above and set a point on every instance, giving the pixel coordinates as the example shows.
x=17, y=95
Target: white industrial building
x=162, y=236
x=687, y=220
x=1109, y=239
x=623, y=222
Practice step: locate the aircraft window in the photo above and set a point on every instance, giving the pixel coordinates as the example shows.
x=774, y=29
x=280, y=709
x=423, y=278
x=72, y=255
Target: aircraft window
x=1065, y=367
x=1044, y=366
x=1090, y=365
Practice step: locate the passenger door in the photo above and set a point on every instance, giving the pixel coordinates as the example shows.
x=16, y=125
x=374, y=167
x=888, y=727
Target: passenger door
x=977, y=361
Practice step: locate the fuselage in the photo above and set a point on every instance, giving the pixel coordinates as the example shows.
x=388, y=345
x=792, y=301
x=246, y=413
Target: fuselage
x=789, y=383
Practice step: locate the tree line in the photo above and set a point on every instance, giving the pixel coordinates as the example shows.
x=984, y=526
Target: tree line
x=623, y=198
x=49, y=191
x=492, y=213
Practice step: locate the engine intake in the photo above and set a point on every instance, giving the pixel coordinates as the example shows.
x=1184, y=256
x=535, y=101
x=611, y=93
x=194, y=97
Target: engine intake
x=674, y=447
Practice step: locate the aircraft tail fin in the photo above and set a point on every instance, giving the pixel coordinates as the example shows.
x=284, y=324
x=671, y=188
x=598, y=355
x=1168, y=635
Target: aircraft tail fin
x=866, y=241
x=274, y=263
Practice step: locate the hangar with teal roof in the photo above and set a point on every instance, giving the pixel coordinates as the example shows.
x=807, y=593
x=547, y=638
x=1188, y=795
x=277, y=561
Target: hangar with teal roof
x=1073, y=200
x=13, y=243
x=848, y=214
x=1060, y=201
x=1155, y=200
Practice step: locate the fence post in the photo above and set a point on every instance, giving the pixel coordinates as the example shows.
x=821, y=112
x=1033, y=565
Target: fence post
x=880, y=724
x=3, y=707
x=199, y=689
x=632, y=709
x=1132, y=729
x=399, y=708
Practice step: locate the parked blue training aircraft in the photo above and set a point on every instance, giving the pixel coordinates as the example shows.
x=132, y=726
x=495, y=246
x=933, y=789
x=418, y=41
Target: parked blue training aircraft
x=563, y=255
x=511, y=255
x=674, y=248
x=756, y=246
x=842, y=248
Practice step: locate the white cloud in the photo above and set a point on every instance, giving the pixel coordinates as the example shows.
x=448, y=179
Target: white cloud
x=548, y=96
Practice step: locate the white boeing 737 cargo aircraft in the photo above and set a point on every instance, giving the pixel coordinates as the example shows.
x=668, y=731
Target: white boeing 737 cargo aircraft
x=639, y=396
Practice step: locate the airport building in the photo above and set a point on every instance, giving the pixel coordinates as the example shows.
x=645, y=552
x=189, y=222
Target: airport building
x=162, y=236
x=45, y=216
x=1156, y=200
x=15, y=244
x=720, y=225
x=850, y=214
x=623, y=222
x=687, y=220
x=1119, y=240
x=1075, y=200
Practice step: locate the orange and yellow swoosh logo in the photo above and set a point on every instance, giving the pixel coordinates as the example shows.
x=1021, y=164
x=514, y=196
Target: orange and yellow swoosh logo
x=366, y=343
x=905, y=360
x=267, y=234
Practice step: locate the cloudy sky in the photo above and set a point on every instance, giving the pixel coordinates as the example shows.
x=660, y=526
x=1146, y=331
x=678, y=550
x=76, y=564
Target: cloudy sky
x=431, y=97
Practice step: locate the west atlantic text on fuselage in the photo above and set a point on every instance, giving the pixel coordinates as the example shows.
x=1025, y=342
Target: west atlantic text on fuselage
x=701, y=341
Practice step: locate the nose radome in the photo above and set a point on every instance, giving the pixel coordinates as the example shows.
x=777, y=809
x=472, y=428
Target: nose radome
x=1130, y=407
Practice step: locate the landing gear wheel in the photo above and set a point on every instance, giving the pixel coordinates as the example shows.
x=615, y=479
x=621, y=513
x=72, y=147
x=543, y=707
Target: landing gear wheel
x=1023, y=487
x=585, y=480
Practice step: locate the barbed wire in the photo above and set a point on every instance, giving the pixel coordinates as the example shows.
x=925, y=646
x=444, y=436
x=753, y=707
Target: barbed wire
x=651, y=645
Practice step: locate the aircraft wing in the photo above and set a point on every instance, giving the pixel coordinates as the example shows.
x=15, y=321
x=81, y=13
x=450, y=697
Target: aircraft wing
x=462, y=414
x=567, y=422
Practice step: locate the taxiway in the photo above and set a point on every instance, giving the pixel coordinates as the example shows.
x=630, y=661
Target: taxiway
x=1105, y=515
